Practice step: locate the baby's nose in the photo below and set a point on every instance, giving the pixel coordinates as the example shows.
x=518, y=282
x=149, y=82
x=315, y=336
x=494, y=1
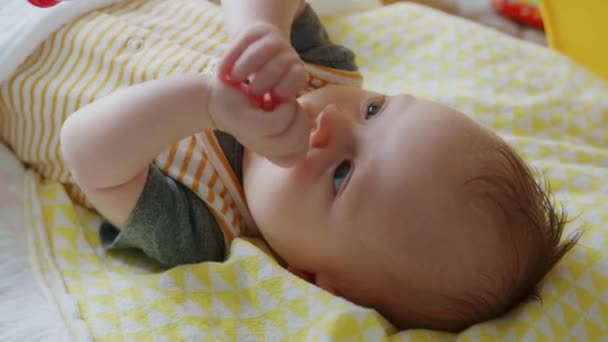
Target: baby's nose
x=325, y=125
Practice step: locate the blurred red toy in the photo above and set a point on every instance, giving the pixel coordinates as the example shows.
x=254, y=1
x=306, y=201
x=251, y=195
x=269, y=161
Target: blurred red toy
x=44, y=3
x=267, y=102
x=524, y=11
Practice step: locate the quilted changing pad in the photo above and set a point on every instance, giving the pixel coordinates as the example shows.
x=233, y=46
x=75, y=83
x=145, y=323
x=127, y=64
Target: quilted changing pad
x=550, y=109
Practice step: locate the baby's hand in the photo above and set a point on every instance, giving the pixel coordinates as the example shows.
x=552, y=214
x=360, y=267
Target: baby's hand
x=263, y=66
x=281, y=135
x=263, y=57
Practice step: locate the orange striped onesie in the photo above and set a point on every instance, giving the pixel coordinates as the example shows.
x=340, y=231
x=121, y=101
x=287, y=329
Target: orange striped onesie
x=124, y=44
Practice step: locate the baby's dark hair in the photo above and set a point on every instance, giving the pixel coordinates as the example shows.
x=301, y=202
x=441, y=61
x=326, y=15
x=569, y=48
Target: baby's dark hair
x=534, y=224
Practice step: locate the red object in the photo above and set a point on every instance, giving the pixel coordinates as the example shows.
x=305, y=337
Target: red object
x=43, y=3
x=268, y=102
x=522, y=12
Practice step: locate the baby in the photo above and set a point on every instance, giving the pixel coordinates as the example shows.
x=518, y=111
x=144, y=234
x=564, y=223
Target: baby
x=393, y=202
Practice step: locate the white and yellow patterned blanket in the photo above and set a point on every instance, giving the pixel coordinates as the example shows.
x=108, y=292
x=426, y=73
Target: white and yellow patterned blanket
x=547, y=107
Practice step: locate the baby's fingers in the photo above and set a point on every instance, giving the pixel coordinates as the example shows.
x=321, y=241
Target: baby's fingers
x=292, y=144
x=271, y=73
x=243, y=41
x=292, y=82
x=256, y=56
x=271, y=124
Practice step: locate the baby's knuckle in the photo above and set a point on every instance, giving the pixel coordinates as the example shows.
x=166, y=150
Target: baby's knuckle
x=274, y=44
x=249, y=34
x=293, y=58
x=282, y=124
x=298, y=69
x=299, y=79
x=261, y=27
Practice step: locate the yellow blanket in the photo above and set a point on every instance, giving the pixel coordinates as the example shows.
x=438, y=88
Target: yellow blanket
x=548, y=108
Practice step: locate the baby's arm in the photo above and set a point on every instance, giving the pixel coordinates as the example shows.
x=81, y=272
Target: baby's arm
x=243, y=13
x=108, y=145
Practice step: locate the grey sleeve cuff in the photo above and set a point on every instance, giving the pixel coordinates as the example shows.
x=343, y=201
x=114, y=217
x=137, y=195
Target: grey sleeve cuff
x=310, y=39
x=170, y=224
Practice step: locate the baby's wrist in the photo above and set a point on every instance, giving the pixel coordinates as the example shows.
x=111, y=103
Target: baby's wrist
x=214, y=104
x=195, y=99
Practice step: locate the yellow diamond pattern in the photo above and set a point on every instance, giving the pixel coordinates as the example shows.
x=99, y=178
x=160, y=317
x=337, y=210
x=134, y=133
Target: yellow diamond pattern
x=552, y=111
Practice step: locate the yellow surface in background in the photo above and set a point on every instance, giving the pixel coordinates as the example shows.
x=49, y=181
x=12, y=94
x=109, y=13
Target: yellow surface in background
x=580, y=30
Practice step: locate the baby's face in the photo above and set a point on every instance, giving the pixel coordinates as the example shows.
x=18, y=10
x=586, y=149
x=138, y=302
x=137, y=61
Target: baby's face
x=379, y=207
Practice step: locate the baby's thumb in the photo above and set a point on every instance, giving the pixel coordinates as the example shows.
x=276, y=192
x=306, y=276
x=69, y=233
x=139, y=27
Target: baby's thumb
x=293, y=143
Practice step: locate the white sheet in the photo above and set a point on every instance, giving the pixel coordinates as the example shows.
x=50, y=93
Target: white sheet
x=26, y=314
x=23, y=27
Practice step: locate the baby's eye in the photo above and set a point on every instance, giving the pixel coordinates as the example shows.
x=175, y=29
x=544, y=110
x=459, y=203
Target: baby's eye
x=340, y=174
x=373, y=109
